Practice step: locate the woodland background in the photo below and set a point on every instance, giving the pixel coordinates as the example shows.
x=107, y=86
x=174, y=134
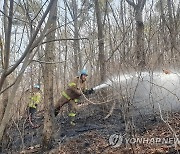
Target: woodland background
x=47, y=42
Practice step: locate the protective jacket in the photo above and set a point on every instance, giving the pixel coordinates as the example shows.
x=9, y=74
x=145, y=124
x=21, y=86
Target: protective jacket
x=35, y=99
x=75, y=88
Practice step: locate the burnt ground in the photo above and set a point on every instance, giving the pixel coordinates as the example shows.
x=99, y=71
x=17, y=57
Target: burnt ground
x=91, y=134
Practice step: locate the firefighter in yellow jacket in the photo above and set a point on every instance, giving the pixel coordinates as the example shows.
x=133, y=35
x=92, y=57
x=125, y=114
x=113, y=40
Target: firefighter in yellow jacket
x=34, y=100
x=71, y=95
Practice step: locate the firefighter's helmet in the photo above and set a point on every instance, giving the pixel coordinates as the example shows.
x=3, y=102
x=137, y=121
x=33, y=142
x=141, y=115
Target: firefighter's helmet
x=37, y=86
x=84, y=72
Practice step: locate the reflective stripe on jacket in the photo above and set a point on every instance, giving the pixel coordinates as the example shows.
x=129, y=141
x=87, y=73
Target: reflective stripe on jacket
x=66, y=95
x=75, y=89
x=77, y=86
x=69, y=98
x=34, y=100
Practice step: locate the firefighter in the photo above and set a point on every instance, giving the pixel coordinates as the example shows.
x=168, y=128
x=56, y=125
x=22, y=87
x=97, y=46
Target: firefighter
x=71, y=95
x=166, y=71
x=34, y=100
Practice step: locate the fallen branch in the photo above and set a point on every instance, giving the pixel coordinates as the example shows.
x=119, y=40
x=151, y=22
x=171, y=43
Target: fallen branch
x=169, y=126
x=111, y=111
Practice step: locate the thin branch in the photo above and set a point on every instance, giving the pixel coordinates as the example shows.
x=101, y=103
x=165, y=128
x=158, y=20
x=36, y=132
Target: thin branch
x=131, y=3
x=116, y=48
x=28, y=48
x=5, y=15
x=111, y=111
x=169, y=126
x=174, y=94
x=45, y=62
x=8, y=36
x=39, y=10
x=55, y=40
x=20, y=73
x=142, y=4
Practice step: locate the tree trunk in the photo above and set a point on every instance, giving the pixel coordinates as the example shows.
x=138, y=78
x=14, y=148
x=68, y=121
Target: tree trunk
x=5, y=55
x=139, y=31
x=140, y=39
x=76, y=45
x=48, y=82
x=26, y=57
x=100, y=42
x=4, y=100
x=171, y=27
x=163, y=30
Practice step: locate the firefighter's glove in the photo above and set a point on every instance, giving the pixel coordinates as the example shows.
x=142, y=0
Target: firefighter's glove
x=89, y=91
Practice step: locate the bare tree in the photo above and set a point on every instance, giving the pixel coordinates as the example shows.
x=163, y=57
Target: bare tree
x=27, y=57
x=138, y=8
x=6, y=52
x=76, y=45
x=48, y=73
x=73, y=10
x=172, y=27
x=100, y=41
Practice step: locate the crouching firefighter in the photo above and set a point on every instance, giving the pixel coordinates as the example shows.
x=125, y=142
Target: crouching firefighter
x=71, y=95
x=34, y=100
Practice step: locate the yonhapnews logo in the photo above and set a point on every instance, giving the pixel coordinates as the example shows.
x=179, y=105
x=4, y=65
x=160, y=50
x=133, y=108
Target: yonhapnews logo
x=116, y=140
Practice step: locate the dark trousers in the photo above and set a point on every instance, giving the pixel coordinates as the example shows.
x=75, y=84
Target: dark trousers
x=32, y=111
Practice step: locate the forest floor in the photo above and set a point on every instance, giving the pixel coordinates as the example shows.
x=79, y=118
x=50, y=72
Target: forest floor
x=93, y=135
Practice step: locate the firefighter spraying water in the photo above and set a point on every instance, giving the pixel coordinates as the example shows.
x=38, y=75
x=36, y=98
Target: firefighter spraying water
x=138, y=86
x=76, y=87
